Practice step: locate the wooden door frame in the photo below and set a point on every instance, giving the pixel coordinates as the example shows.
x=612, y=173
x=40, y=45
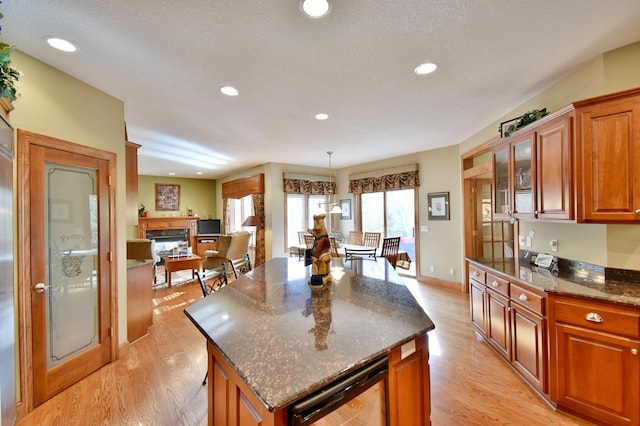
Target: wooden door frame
x=25, y=140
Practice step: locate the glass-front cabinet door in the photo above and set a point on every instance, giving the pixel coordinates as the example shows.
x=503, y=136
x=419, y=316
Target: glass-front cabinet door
x=502, y=193
x=523, y=176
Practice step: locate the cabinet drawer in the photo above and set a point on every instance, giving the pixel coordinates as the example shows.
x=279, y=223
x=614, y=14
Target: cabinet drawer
x=477, y=274
x=527, y=298
x=498, y=284
x=598, y=316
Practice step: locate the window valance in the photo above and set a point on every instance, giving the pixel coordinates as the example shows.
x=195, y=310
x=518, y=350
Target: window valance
x=303, y=186
x=390, y=182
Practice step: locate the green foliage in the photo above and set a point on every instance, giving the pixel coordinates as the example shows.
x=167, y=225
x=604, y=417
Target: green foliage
x=525, y=119
x=8, y=74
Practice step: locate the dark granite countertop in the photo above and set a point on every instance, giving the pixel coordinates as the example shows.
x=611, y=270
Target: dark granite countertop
x=579, y=279
x=286, y=339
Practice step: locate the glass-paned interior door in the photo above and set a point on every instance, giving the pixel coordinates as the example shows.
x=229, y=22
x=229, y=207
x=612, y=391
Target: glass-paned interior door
x=71, y=229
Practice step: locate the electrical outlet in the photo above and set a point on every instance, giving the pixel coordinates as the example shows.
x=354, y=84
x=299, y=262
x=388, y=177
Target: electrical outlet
x=432, y=268
x=528, y=241
x=452, y=271
x=554, y=245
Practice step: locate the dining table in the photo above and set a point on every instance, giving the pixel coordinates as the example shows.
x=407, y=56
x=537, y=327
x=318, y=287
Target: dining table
x=355, y=250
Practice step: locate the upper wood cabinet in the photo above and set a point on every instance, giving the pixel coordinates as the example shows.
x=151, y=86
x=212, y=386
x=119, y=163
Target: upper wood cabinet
x=608, y=163
x=533, y=170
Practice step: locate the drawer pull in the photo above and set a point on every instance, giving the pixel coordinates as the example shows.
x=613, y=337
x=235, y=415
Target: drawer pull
x=634, y=351
x=638, y=211
x=495, y=283
x=593, y=317
x=523, y=297
x=475, y=273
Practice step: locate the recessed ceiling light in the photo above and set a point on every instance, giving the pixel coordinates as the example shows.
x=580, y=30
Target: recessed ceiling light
x=426, y=68
x=172, y=174
x=229, y=91
x=321, y=116
x=60, y=44
x=199, y=173
x=315, y=8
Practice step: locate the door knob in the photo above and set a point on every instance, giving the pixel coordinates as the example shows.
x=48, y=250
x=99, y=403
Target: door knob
x=40, y=287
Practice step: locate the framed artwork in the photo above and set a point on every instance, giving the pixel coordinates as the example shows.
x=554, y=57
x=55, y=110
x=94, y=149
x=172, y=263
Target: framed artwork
x=167, y=196
x=345, y=206
x=438, y=205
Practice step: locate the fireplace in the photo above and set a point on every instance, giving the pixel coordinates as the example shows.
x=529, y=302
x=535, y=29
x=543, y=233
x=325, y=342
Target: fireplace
x=166, y=240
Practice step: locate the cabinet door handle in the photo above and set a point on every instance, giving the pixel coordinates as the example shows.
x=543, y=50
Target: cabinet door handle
x=523, y=297
x=475, y=273
x=634, y=351
x=593, y=317
x=495, y=283
x=638, y=211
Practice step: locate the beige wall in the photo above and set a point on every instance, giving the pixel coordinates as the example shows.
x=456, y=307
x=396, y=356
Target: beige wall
x=196, y=194
x=55, y=104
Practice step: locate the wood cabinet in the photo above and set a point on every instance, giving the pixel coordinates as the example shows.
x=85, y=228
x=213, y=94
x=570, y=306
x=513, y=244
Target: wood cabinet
x=533, y=170
x=231, y=402
x=511, y=318
x=608, y=150
x=205, y=243
x=595, y=367
x=409, y=384
x=139, y=299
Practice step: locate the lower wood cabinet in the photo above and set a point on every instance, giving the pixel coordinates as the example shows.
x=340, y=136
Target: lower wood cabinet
x=595, y=363
x=511, y=318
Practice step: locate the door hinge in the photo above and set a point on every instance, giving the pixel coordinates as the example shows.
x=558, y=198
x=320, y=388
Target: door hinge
x=109, y=180
x=110, y=256
x=111, y=333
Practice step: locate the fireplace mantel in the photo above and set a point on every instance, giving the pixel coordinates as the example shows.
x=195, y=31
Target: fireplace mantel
x=158, y=223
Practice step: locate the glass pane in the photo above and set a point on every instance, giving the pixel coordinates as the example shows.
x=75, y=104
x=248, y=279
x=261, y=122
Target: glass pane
x=522, y=177
x=487, y=234
x=373, y=212
x=72, y=250
x=296, y=218
x=497, y=230
x=501, y=170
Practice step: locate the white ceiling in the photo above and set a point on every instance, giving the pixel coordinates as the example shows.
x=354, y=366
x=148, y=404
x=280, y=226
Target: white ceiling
x=167, y=60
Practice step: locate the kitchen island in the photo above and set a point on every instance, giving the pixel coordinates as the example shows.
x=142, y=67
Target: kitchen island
x=275, y=342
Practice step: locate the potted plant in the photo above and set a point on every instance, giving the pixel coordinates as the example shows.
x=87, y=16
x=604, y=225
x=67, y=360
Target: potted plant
x=8, y=74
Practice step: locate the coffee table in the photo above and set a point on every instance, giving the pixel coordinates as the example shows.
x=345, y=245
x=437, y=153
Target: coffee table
x=179, y=263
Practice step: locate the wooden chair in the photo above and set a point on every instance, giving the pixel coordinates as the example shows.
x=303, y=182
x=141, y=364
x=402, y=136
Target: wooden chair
x=371, y=239
x=309, y=240
x=390, y=247
x=334, y=247
x=355, y=238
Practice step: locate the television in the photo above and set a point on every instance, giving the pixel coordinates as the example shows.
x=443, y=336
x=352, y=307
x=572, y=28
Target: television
x=209, y=227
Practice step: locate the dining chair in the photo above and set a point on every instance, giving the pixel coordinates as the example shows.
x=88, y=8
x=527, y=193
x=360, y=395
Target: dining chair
x=355, y=238
x=309, y=240
x=241, y=265
x=301, y=237
x=333, y=246
x=371, y=239
x=390, y=247
x=210, y=281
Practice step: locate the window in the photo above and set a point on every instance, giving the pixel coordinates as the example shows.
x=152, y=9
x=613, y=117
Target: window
x=300, y=210
x=237, y=212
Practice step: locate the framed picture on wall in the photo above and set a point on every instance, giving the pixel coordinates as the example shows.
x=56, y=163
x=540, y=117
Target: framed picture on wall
x=438, y=205
x=167, y=196
x=345, y=206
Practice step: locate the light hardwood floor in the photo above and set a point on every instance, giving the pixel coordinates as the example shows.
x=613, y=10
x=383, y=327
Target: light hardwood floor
x=158, y=379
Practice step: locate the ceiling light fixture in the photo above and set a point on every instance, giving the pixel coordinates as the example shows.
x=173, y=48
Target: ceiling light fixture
x=321, y=116
x=60, y=44
x=426, y=68
x=334, y=207
x=229, y=91
x=315, y=8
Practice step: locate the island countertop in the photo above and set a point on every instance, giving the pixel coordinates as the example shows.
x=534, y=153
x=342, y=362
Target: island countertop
x=286, y=339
